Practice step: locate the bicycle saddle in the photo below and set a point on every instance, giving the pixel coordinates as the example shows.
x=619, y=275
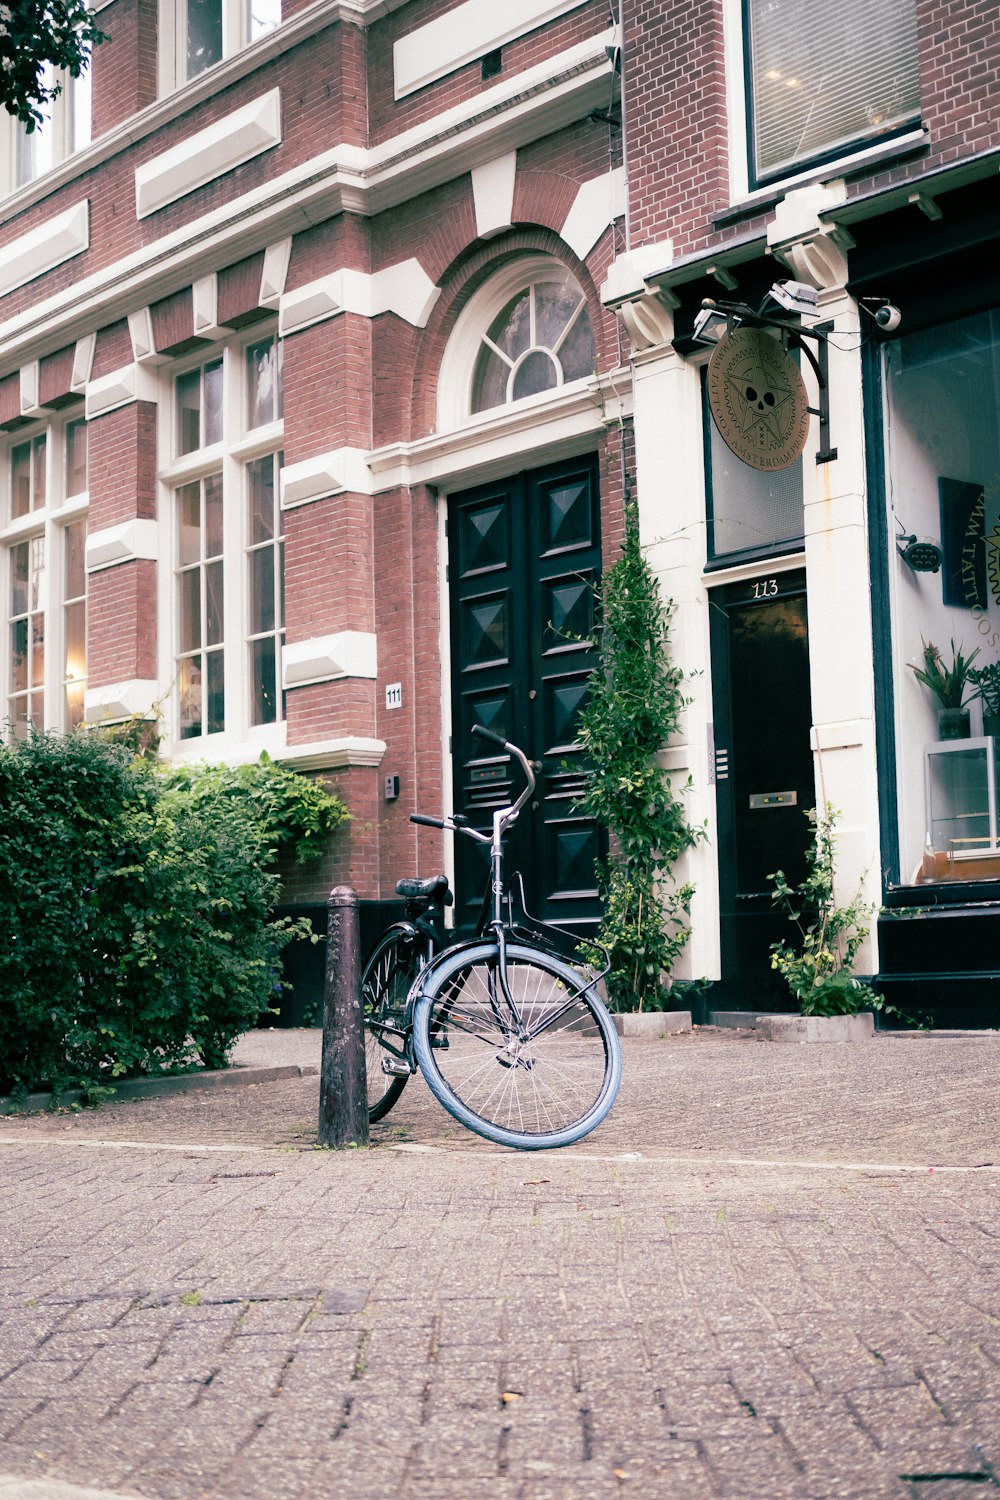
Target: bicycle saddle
x=436, y=888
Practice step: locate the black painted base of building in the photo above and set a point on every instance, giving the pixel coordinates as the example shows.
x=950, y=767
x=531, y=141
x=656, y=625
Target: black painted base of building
x=304, y=962
x=939, y=951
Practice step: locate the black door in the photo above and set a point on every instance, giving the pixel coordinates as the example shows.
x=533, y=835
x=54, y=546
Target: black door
x=764, y=773
x=524, y=560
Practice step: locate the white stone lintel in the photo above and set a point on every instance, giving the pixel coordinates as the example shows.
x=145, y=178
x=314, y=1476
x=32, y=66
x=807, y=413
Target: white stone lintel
x=83, y=360
x=597, y=204
x=205, y=306
x=274, y=272
x=120, y=700
x=121, y=544
x=404, y=289
x=333, y=755
x=38, y=251
x=493, y=194
x=349, y=653
x=464, y=34
x=326, y=474
x=209, y=153
x=133, y=382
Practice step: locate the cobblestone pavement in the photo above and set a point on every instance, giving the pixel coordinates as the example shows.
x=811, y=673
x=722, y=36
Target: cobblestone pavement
x=772, y=1272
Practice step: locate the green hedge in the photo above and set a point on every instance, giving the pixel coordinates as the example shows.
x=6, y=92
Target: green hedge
x=135, y=930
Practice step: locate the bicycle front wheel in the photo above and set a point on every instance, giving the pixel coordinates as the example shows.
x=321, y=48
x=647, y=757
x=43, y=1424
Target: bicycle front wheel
x=385, y=984
x=544, y=1078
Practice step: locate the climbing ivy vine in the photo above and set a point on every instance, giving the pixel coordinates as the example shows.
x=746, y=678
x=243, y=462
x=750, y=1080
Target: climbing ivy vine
x=634, y=707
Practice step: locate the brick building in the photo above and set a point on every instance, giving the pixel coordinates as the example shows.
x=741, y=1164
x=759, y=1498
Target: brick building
x=332, y=334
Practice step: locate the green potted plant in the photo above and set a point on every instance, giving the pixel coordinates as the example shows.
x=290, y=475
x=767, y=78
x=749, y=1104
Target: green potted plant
x=986, y=684
x=818, y=967
x=950, y=685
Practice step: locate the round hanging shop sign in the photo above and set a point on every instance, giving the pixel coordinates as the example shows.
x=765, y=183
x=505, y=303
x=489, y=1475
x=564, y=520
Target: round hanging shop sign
x=757, y=399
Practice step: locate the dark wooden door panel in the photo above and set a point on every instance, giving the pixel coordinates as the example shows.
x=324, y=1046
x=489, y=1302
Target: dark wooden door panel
x=764, y=772
x=524, y=561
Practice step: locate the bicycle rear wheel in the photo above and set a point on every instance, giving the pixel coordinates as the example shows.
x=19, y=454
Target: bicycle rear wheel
x=385, y=984
x=547, y=1082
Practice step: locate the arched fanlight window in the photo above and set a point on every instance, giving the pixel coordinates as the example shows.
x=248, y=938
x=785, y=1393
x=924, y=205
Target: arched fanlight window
x=541, y=338
x=522, y=333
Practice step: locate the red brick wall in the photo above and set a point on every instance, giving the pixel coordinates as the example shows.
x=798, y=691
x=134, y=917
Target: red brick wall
x=121, y=450
x=674, y=83
x=407, y=578
x=238, y=290
x=121, y=602
x=112, y=351
x=54, y=374
x=124, y=67
x=173, y=321
x=121, y=623
x=387, y=116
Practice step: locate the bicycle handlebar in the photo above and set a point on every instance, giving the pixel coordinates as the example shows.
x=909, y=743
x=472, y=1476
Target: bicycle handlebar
x=505, y=815
x=488, y=734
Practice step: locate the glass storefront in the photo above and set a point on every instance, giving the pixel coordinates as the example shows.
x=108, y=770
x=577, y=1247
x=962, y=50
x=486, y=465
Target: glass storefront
x=943, y=488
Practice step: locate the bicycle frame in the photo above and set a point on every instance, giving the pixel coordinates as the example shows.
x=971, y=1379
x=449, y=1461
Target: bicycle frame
x=492, y=918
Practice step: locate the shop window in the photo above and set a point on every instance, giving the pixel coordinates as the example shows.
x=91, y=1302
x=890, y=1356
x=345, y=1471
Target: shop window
x=226, y=541
x=823, y=80
x=751, y=512
x=44, y=581
x=943, y=486
x=200, y=33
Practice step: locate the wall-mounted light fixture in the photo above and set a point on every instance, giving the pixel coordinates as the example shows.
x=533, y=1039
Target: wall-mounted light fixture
x=919, y=553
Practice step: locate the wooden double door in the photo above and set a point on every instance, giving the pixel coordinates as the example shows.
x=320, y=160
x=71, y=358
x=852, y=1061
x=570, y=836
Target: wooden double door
x=524, y=563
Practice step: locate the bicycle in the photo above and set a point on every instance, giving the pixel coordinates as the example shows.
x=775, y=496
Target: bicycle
x=508, y=1032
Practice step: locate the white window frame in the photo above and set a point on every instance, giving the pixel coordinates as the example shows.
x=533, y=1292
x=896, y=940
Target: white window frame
x=454, y=392
x=48, y=522
x=65, y=130
x=228, y=457
x=742, y=188
x=173, y=18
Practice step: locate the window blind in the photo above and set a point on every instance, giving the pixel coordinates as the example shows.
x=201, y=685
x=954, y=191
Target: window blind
x=826, y=76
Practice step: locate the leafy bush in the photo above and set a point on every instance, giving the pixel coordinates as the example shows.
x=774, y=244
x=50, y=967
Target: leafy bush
x=134, y=926
x=634, y=706
x=819, y=968
x=292, y=813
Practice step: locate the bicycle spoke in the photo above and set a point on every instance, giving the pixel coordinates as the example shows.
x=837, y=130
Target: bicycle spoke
x=527, y=1082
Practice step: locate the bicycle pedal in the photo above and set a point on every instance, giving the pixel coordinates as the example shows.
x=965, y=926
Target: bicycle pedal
x=441, y=1041
x=395, y=1067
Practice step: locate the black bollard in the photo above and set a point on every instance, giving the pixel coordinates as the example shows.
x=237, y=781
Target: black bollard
x=343, y=1086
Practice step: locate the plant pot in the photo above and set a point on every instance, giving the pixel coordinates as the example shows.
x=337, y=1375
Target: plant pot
x=991, y=724
x=953, y=724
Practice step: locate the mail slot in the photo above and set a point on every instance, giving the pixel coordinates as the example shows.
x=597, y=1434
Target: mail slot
x=773, y=799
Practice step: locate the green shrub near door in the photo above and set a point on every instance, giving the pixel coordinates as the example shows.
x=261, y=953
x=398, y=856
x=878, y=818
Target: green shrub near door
x=135, y=928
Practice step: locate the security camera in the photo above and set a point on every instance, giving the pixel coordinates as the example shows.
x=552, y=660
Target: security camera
x=888, y=317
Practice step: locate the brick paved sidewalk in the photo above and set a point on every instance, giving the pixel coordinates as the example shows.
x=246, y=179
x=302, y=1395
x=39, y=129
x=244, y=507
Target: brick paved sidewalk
x=773, y=1272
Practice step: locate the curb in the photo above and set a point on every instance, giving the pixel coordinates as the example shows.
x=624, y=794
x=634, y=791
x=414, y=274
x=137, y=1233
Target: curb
x=758, y=1020
x=151, y=1088
x=14, y=1488
x=651, y=1024
x=830, y=1029
x=771, y=1026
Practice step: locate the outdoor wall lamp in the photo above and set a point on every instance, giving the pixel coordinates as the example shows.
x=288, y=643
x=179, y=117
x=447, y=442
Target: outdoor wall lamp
x=919, y=553
x=716, y=319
